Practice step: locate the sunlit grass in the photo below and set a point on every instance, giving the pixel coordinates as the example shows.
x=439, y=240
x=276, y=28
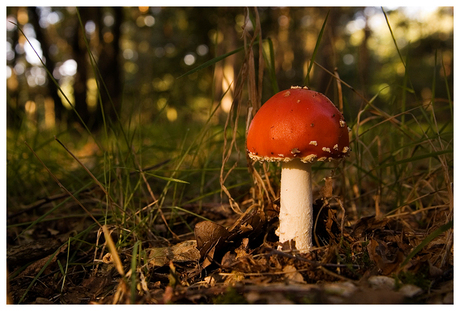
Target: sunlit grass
x=384, y=171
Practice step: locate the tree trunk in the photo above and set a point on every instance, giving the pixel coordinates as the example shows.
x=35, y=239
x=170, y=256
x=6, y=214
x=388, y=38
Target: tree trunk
x=50, y=64
x=80, y=55
x=109, y=68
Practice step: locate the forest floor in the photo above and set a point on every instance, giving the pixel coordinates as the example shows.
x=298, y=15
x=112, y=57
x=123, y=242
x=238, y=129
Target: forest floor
x=233, y=259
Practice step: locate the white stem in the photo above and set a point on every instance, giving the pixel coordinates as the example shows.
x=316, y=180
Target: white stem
x=296, y=214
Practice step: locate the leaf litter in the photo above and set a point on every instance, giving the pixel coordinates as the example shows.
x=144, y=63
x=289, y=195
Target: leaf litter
x=242, y=263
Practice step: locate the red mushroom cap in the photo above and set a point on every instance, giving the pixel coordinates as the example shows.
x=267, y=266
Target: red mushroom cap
x=298, y=123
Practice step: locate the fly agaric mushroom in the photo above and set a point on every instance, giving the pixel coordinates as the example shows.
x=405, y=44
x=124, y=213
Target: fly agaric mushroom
x=297, y=127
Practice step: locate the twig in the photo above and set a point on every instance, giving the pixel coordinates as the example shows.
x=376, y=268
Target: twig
x=37, y=204
x=336, y=275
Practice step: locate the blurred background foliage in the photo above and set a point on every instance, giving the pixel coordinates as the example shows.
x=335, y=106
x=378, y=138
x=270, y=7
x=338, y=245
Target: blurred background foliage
x=140, y=52
x=132, y=62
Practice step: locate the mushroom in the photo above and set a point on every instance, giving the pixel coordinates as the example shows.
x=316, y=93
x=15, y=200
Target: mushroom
x=297, y=127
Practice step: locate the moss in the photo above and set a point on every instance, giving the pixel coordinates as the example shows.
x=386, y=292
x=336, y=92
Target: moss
x=231, y=296
x=420, y=279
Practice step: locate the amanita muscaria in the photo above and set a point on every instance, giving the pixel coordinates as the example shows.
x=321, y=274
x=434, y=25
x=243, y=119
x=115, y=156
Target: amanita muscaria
x=297, y=127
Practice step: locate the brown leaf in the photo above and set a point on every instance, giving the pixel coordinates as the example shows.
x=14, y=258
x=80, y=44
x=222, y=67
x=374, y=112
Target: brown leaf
x=207, y=232
x=326, y=190
x=182, y=252
x=368, y=224
x=251, y=220
x=292, y=274
x=214, y=239
x=185, y=251
x=383, y=258
x=228, y=259
x=168, y=294
x=209, y=236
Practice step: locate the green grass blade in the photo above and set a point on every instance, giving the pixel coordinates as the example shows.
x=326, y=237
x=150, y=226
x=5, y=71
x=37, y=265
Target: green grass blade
x=134, y=273
x=211, y=62
x=404, y=92
x=66, y=266
x=427, y=240
x=393, y=37
x=420, y=157
x=449, y=98
x=313, y=57
x=170, y=179
x=270, y=61
x=188, y=212
x=41, y=272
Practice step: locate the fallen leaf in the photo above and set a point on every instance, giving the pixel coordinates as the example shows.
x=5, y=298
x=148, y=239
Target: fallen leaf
x=292, y=274
x=368, y=224
x=209, y=236
x=214, y=239
x=386, y=261
x=182, y=252
x=326, y=190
